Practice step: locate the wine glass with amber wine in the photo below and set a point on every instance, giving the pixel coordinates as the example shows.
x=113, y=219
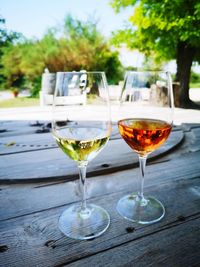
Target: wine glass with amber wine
x=146, y=114
x=81, y=127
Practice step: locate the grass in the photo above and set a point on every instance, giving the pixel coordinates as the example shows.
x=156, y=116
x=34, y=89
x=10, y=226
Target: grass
x=194, y=85
x=19, y=102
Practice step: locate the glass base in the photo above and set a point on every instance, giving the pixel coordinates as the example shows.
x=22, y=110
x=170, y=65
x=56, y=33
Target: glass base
x=84, y=225
x=146, y=211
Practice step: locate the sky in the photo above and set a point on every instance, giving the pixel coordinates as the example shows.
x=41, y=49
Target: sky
x=34, y=17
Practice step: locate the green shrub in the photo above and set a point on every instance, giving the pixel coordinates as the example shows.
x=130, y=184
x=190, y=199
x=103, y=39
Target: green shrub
x=195, y=77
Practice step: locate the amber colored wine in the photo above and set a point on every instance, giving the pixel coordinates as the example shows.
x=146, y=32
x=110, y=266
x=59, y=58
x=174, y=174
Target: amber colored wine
x=144, y=135
x=81, y=143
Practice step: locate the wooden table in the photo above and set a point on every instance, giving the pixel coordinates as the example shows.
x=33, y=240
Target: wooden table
x=38, y=182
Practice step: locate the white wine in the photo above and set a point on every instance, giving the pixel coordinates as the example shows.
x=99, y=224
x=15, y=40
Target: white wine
x=81, y=143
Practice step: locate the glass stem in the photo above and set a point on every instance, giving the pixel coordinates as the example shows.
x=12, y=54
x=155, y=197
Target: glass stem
x=82, y=180
x=142, y=162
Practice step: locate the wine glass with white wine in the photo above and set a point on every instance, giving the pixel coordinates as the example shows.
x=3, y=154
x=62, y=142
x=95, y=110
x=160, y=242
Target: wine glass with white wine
x=81, y=127
x=145, y=122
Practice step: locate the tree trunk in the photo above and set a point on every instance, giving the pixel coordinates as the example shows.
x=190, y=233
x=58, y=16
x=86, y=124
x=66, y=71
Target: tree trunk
x=185, y=55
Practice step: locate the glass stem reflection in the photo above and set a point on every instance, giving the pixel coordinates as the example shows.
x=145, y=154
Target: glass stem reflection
x=142, y=162
x=82, y=175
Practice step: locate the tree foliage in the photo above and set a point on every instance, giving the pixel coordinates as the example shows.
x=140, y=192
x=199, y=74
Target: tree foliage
x=169, y=29
x=161, y=25
x=74, y=46
x=7, y=39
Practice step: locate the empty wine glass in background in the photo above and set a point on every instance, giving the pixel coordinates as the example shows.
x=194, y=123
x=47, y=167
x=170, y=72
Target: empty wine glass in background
x=81, y=127
x=146, y=115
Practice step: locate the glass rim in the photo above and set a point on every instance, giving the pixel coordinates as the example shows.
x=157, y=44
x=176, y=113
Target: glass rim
x=80, y=72
x=148, y=71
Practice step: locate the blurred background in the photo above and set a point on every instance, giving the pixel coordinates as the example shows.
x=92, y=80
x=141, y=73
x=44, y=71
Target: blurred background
x=105, y=35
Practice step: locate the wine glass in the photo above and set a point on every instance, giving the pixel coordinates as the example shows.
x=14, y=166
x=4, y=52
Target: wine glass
x=81, y=127
x=145, y=122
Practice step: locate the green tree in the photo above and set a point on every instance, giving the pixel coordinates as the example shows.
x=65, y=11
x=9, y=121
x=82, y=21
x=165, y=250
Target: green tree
x=74, y=46
x=169, y=29
x=7, y=39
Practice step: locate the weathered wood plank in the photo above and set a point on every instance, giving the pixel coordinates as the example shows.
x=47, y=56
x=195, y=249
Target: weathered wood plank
x=53, y=164
x=177, y=246
x=25, y=143
x=23, y=137
x=34, y=239
x=16, y=141
x=14, y=198
x=24, y=127
x=29, y=214
x=15, y=128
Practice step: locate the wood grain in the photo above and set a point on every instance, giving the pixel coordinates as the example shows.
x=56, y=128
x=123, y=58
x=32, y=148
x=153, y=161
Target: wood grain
x=51, y=163
x=173, y=246
x=34, y=239
x=22, y=199
x=29, y=211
